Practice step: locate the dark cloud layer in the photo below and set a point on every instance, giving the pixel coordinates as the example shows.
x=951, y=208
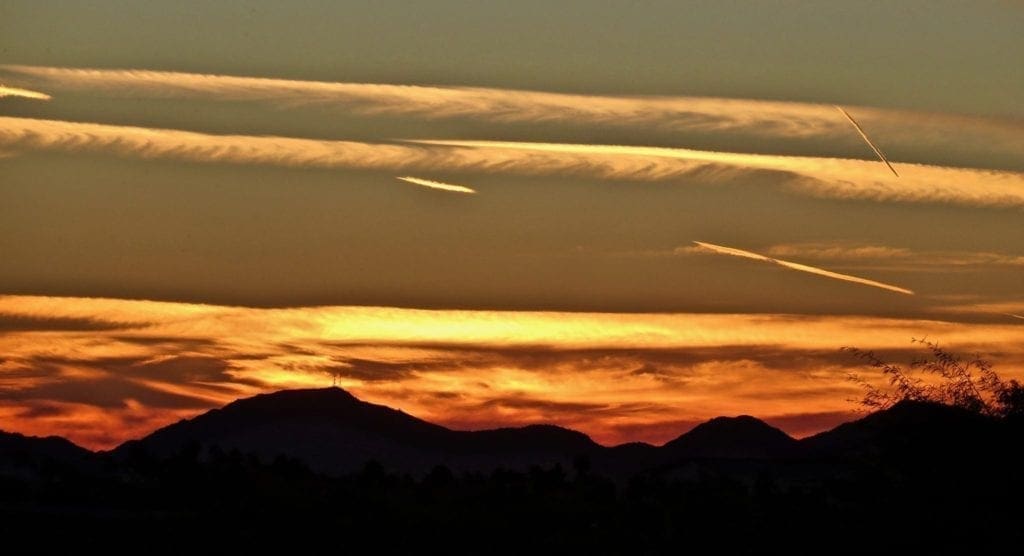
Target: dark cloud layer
x=21, y=323
x=117, y=381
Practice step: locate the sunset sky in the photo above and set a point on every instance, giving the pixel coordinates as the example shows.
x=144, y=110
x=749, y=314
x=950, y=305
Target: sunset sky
x=623, y=218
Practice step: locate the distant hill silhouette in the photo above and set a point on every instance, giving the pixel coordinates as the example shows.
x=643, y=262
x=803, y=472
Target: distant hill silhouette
x=281, y=469
x=908, y=430
x=55, y=448
x=31, y=455
x=334, y=432
x=742, y=437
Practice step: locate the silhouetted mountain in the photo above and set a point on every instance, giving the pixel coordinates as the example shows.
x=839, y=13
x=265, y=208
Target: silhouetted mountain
x=742, y=437
x=629, y=458
x=909, y=429
x=913, y=478
x=30, y=454
x=532, y=438
x=333, y=432
x=53, y=447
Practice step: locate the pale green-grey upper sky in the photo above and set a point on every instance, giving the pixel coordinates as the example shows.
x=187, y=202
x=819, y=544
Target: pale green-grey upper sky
x=926, y=54
x=101, y=221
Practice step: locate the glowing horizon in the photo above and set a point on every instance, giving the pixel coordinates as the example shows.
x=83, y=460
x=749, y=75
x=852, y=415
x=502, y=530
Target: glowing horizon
x=102, y=371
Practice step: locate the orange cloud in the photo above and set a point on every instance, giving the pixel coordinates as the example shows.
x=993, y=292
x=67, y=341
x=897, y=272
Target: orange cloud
x=102, y=371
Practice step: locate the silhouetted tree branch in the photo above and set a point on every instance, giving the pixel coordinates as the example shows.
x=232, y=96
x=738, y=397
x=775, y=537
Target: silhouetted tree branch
x=969, y=384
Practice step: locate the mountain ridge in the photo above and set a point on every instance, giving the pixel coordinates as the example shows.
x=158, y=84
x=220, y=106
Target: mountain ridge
x=283, y=461
x=334, y=432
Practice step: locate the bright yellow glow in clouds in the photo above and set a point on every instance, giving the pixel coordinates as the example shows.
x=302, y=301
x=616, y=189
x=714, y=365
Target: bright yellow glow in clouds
x=101, y=371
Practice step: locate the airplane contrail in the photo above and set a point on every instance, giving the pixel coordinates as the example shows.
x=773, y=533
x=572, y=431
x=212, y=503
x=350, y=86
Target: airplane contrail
x=437, y=185
x=867, y=140
x=1021, y=317
x=23, y=93
x=801, y=267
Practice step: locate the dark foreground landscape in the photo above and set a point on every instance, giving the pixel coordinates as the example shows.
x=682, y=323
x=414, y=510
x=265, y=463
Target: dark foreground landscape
x=319, y=468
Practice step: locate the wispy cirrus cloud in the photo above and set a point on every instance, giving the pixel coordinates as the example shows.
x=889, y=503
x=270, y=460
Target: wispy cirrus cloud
x=500, y=105
x=824, y=177
x=710, y=247
x=760, y=119
x=839, y=251
x=878, y=256
x=1011, y=309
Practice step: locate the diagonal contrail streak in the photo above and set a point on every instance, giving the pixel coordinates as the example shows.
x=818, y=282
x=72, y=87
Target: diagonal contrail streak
x=801, y=267
x=867, y=140
x=22, y=93
x=437, y=185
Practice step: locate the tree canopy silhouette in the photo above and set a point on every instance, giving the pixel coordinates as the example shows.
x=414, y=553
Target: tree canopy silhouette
x=941, y=376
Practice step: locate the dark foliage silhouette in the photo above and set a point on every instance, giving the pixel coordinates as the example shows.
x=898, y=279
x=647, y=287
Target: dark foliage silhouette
x=941, y=377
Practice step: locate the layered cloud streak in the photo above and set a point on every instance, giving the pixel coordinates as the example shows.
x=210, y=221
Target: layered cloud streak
x=824, y=177
x=907, y=131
